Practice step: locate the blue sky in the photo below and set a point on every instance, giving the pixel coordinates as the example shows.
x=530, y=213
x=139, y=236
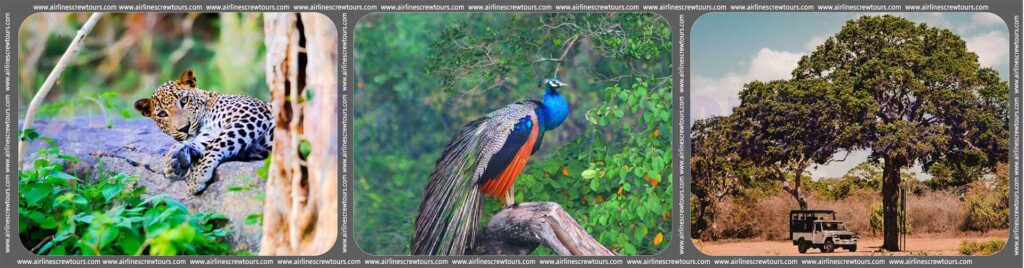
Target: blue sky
x=731, y=49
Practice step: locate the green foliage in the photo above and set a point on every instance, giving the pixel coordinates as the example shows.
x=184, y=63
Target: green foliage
x=61, y=214
x=432, y=73
x=618, y=189
x=984, y=248
x=128, y=55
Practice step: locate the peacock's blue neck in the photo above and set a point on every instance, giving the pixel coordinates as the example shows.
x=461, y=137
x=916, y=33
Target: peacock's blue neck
x=556, y=108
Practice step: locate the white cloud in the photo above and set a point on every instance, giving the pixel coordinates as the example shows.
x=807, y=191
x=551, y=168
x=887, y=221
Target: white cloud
x=991, y=47
x=714, y=96
x=814, y=42
x=934, y=19
x=985, y=20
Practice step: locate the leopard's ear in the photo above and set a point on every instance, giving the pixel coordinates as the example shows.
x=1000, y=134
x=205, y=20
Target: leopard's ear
x=144, y=106
x=187, y=78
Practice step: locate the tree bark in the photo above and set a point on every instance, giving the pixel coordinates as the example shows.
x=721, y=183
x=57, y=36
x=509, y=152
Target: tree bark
x=519, y=230
x=301, y=207
x=705, y=215
x=794, y=191
x=890, y=204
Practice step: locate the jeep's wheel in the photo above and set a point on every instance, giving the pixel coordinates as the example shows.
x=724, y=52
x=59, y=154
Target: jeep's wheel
x=802, y=247
x=853, y=248
x=829, y=247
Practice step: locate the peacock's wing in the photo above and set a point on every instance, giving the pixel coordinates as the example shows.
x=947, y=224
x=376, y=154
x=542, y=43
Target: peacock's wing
x=450, y=211
x=508, y=162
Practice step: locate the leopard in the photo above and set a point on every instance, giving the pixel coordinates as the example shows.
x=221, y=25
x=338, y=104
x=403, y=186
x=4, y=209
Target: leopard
x=208, y=127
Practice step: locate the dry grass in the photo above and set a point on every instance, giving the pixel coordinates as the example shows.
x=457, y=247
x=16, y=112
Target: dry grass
x=942, y=211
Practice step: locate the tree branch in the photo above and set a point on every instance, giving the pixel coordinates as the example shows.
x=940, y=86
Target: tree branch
x=519, y=230
x=30, y=113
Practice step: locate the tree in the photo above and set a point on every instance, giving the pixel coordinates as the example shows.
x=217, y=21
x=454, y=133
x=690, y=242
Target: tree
x=785, y=126
x=717, y=171
x=301, y=207
x=933, y=103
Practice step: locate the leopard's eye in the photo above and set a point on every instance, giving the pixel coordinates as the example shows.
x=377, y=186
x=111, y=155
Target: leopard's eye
x=162, y=114
x=181, y=102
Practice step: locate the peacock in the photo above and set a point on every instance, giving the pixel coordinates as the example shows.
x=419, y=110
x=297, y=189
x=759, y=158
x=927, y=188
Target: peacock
x=482, y=159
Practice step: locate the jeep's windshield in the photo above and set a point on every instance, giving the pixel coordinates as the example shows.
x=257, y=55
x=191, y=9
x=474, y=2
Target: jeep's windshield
x=833, y=226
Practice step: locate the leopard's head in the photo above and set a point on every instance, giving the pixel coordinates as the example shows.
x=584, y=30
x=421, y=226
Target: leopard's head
x=176, y=106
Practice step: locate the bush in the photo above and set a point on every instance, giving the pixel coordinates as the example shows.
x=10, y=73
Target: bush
x=620, y=190
x=60, y=214
x=981, y=248
x=987, y=203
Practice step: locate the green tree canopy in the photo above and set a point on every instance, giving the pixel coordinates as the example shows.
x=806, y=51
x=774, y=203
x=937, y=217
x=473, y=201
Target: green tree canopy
x=932, y=101
x=785, y=126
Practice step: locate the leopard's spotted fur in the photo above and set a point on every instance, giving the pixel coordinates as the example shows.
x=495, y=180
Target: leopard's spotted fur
x=210, y=128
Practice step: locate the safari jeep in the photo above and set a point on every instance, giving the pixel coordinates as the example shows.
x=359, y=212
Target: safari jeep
x=819, y=229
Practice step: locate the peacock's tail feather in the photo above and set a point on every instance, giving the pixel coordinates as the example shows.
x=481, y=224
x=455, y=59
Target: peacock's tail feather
x=450, y=211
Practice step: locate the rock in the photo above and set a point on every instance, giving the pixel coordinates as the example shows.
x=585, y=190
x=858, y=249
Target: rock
x=136, y=147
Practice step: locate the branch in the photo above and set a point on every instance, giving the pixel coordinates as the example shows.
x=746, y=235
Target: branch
x=189, y=41
x=519, y=230
x=30, y=113
x=568, y=46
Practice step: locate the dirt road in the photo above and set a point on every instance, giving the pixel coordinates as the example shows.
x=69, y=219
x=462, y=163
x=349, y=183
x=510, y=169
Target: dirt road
x=931, y=246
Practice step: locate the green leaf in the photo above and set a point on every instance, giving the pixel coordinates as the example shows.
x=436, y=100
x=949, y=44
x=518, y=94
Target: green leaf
x=47, y=246
x=78, y=199
x=628, y=249
x=57, y=251
x=48, y=223
x=68, y=158
x=254, y=219
x=309, y=94
x=33, y=193
x=588, y=174
x=304, y=148
x=64, y=231
x=111, y=190
x=28, y=134
x=262, y=171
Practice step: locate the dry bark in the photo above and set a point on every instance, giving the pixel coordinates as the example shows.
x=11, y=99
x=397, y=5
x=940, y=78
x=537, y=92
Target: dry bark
x=519, y=230
x=301, y=208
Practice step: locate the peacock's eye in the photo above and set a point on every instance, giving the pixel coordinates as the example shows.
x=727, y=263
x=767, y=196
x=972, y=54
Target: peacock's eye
x=162, y=114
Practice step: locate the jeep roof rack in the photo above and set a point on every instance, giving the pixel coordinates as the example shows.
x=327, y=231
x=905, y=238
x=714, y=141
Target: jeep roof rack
x=793, y=213
x=811, y=211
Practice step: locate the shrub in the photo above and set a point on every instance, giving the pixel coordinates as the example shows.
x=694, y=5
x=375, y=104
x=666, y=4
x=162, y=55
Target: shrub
x=987, y=203
x=981, y=248
x=60, y=214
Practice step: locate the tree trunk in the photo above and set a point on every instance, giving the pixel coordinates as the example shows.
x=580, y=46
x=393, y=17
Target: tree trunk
x=519, y=230
x=701, y=219
x=890, y=204
x=796, y=191
x=301, y=207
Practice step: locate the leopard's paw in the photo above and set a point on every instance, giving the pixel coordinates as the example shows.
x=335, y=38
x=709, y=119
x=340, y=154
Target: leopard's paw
x=178, y=160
